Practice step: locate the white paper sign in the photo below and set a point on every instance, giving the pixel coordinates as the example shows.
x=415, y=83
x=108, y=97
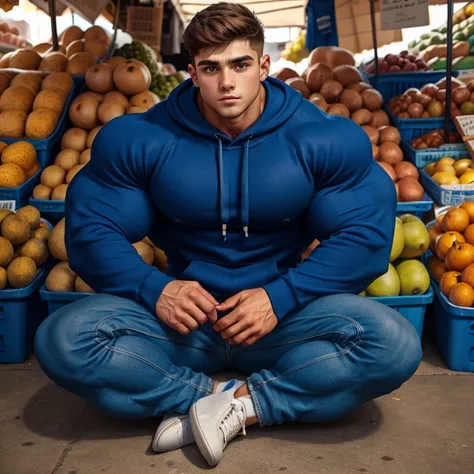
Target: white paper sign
x=10, y=205
x=397, y=14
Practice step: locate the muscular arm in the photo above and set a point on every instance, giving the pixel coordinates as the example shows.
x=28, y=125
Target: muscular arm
x=352, y=213
x=108, y=207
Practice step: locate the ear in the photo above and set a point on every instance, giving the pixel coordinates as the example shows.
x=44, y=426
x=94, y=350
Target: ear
x=264, y=67
x=193, y=74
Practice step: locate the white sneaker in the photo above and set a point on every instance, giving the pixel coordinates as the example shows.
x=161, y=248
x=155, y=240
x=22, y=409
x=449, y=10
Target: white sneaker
x=215, y=421
x=174, y=432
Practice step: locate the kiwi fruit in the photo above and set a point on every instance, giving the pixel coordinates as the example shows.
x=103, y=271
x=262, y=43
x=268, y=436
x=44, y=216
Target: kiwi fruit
x=4, y=213
x=61, y=278
x=59, y=193
x=21, y=272
x=6, y=251
x=40, y=233
x=56, y=241
x=52, y=176
x=36, y=249
x=82, y=287
x=31, y=214
x=3, y=278
x=42, y=192
x=16, y=229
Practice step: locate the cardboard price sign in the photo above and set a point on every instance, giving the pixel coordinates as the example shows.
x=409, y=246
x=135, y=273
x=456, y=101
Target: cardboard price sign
x=397, y=14
x=88, y=9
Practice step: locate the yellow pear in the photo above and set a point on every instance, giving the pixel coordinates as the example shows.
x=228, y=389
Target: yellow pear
x=444, y=167
x=445, y=178
x=467, y=177
x=461, y=165
x=446, y=160
x=429, y=168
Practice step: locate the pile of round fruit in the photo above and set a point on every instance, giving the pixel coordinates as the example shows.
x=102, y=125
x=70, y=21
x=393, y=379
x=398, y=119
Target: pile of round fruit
x=333, y=84
x=23, y=246
x=32, y=103
x=403, y=62
x=116, y=87
x=434, y=139
x=448, y=171
x=19, y=164
x=389, y=155
x=78, y=50
x=430, y=100
x=62, y=278
x=452, y=262
x=407, y=276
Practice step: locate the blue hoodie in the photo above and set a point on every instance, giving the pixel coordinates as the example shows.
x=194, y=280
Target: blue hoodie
x=232, y=214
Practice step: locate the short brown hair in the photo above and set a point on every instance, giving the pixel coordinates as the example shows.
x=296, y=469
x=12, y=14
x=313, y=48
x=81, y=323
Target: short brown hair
x=220, y=24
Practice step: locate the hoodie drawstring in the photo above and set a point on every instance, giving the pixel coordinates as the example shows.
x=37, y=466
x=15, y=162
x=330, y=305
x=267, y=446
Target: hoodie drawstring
x=224, y=210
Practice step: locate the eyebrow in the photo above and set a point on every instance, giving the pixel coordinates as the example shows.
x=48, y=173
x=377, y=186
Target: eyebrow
x=207, y=62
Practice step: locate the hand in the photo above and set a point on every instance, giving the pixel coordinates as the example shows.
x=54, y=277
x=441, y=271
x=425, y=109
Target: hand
x=252, y=318
x=184, y=305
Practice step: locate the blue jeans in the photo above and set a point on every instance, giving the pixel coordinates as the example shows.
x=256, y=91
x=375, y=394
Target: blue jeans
x=318, y=364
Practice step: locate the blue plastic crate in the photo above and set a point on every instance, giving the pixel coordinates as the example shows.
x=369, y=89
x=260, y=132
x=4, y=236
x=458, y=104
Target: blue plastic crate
x=412, y=128
x=57, y=299
x=48, y=208
x=392, y=84
x=14, y=198
x=48, y=148
x=417, y=208
x=21, y=312
x=442, y=196
x=454, y=333
x=420, y=158
x=410, y=307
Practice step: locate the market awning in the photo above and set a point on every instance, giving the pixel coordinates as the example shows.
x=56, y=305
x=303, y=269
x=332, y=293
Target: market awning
x=272, y=13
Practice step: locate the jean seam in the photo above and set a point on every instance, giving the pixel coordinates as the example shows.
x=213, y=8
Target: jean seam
x=307, y=364
x=159, y=369
x=256, y=402
x=154, y=336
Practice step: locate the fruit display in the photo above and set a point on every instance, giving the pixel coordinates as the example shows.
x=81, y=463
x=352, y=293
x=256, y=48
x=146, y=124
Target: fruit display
x=403, y=62
x=434, y=139
x=388, y=154
x=78, y=50
x=115, y=88
x=19, y=164
x=11, y=35
x=406, y=274
x=295, y=50
x=161, y=84
x=448, y=171
x=452, y=245
x=430, y=100
x=62, y=278
x=32, y=103
x=23, y=246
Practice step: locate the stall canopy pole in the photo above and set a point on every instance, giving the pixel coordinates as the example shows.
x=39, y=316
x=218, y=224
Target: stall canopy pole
x=449, y=68
x=52, y=16
x=111, y=50
x=374, y=35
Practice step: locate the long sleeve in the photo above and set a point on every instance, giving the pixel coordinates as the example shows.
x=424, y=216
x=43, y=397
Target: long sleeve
x=108, y=208
x=352, y=213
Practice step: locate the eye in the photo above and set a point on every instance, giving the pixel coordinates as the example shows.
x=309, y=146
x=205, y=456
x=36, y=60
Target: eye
x=241, y=66
x=210, y=69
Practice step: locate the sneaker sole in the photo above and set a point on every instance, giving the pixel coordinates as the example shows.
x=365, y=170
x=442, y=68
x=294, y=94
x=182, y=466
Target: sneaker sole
x=199, y=438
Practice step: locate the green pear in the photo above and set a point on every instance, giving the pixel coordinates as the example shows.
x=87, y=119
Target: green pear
x=417, y=238
x=414, y=278
x=386, y=285
x=398, y=242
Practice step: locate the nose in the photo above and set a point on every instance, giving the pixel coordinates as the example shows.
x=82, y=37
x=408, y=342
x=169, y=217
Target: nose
x=227, y=81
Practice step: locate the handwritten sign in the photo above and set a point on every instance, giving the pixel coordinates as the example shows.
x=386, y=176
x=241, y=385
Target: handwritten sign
x=397, y=14
x=465, y=126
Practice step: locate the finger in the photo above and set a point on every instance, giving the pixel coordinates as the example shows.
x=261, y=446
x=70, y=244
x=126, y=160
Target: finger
x=196, y=313
x=212, y=316
x=181, y=328
x=235, y=329
x=211, y=298
x=242, y=336
x=251, y=340
x=200, y=300
x=188, y=321
x=229, y=302
x=226, y=321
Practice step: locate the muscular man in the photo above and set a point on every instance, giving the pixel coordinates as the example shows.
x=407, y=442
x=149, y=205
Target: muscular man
x=233, y=177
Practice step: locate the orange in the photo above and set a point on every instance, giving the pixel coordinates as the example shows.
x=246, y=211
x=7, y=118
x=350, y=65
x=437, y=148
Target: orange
x=445, y=242
x=437, y=267
x=434, y=234
x=459, y=256
x=468, y=275
x=462, y=294
x=439, y=223
x=448, y=280
x=469, y=234
x=468, y=206
x=456, y=219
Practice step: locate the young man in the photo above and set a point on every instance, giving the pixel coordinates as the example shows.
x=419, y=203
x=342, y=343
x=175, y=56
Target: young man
x=233, y=176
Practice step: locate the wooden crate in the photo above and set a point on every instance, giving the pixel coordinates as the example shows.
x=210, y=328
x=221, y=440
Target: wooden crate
x=145, y=24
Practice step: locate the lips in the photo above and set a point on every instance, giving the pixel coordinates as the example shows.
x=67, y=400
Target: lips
x=231, y=97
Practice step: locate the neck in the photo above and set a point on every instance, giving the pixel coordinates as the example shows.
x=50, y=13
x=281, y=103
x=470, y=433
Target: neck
x=234, y=126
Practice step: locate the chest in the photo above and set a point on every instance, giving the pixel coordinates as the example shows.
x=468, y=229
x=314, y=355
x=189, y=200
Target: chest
x=186, y=186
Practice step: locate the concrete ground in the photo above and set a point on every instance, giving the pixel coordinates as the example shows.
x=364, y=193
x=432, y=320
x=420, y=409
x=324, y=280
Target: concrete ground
x=425, y=427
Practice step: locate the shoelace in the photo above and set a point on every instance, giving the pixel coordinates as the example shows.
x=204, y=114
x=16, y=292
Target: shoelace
x=234, y=421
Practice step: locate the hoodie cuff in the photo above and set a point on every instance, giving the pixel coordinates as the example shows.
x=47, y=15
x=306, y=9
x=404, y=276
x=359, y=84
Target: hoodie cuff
x=282, y=297
x=151, y=288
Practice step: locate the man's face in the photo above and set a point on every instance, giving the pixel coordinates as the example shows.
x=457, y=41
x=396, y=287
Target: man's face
x=229, y=77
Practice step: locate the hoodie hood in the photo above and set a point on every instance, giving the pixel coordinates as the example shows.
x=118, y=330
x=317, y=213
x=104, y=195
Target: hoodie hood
x=281, y=103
